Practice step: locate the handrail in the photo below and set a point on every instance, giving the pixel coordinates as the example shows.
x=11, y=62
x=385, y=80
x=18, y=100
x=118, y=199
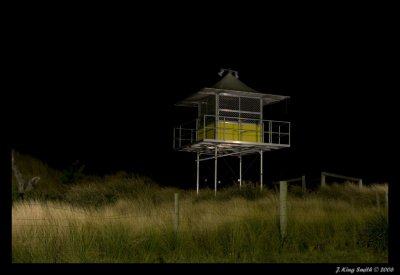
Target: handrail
x=266, y=131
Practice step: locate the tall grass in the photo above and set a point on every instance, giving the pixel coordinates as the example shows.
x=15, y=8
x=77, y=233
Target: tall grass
x=236, y=230
x=129, y=219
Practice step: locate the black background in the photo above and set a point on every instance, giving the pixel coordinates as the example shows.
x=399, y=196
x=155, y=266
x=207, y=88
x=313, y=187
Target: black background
x=99, y=84
x=105, y=95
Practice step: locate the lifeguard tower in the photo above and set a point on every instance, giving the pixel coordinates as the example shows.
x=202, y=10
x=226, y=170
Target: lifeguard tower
x=230, y=122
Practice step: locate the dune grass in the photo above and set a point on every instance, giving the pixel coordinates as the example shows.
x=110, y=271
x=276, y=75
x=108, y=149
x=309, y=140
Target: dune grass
x=236, y=230
x=129, y=219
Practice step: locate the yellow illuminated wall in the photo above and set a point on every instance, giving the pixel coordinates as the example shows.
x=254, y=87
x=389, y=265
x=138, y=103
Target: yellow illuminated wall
x=232, y=131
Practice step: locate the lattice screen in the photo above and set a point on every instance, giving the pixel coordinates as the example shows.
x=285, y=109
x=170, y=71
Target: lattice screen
x=232, y=108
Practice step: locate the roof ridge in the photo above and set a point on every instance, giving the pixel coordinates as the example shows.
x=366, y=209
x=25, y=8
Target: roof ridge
x=230, y=82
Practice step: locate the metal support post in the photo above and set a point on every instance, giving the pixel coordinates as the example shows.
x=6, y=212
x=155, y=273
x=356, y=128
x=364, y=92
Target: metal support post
x=198, y=174
x=240, y=171
x=270, y=131
x=261, y=169
x=215, y=170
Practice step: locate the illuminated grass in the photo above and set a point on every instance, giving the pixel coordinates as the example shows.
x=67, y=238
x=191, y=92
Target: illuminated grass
x=210, y=231
x=129, y=219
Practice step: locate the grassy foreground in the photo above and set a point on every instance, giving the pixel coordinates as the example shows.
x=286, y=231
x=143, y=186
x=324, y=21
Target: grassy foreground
x=129, y=219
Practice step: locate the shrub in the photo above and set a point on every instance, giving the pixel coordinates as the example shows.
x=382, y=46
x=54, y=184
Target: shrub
x=74, y=173
x=375, y=235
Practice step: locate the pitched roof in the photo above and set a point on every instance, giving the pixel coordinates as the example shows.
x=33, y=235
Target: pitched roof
x=229, y=85
x=230, y=82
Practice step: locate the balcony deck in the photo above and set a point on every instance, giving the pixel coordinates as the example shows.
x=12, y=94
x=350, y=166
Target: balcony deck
x=231, y=135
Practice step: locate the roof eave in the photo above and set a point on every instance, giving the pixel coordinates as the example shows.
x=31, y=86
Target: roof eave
x=196, y=98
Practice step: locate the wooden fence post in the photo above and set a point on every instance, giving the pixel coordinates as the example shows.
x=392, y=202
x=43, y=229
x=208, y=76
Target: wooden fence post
x=378, y=204
x=322, y=179
x=387, y=200
x=283, y=207
x=303, y=184
x=387, y=205
x=176, y=212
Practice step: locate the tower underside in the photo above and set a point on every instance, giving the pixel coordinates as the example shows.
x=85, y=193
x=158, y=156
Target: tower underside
x=207, y=147
x=211, y=143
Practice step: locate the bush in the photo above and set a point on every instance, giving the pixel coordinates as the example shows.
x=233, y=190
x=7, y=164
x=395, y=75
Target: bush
x=74, y=173
x=375, y=235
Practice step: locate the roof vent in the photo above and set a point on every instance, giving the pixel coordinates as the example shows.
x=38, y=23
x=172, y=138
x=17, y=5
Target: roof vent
x=233, y=72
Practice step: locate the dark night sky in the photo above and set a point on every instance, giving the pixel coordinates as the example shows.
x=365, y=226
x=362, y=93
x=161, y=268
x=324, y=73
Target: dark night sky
x=105, y=95
x=100, y=85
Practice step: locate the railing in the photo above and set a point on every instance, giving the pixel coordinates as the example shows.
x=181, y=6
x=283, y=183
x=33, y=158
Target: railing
x=210, y=127
x=325, y=174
